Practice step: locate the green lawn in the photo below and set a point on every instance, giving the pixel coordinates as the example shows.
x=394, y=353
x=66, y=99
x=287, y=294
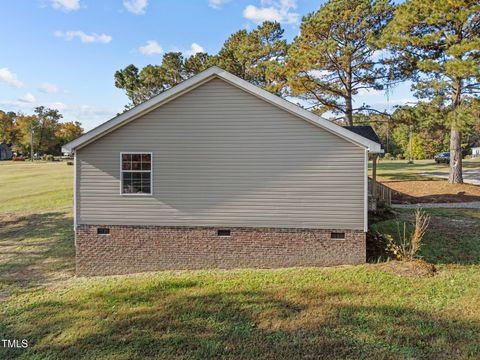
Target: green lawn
x=401, y=170
x=350, y=312
x=35, y=187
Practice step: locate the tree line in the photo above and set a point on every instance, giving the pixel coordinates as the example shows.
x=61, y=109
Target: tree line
x=42, y=130
x=350, y=46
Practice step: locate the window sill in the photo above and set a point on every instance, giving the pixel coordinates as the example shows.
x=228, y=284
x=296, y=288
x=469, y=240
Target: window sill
x=139, y=194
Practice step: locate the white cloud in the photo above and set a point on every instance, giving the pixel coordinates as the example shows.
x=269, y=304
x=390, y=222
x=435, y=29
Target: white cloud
x=9, y=78
x=381, y=54
x=58, y=106
x=16, y=106
x=217, y=4
x=369, y=92
x=48, y=88
x=319, y=74
x=151, y=48
x=136, y=7
x=28, y=98
x=89, y=115
x=66, y=5
x=194, y=48
x=273, y=10
x=83, y=37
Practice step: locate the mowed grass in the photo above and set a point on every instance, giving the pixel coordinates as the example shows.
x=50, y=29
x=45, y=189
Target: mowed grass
x=38, y=186
x=350, y=312
x=388, y=170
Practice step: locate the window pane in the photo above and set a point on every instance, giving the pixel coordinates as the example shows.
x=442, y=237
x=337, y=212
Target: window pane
x=146, y=186
x=145, y=157
x=146, y=166
x=126, y=157
x=146, y=178
x=127, y=186
x=136, y=157
x=137, y=182
x=126, y=165
x=136, y=165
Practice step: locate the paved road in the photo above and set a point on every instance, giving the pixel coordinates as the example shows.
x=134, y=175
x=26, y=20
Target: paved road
x=459, y=205
x=469, y=176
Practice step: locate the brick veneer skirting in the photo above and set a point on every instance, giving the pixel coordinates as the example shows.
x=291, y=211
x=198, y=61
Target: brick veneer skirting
x=129, y=249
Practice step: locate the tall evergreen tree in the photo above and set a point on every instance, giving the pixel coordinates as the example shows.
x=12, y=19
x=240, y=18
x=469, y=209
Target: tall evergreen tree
x=141, y=85
x=437, y=44
x=254, y=56
x=249, y=55
x=335, y=56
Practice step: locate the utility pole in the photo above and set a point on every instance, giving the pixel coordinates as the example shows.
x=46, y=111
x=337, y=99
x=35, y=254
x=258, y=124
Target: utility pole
x=31, y=144
x=410, y=161
x=387, y=148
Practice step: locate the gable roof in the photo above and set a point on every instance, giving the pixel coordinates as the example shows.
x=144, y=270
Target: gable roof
x=201, y=78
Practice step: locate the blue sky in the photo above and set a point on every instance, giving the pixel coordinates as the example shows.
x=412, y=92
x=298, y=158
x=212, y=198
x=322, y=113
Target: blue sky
x=63, y=53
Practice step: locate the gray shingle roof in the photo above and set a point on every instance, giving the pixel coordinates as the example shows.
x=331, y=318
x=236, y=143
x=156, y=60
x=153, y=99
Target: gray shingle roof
x=366, y=131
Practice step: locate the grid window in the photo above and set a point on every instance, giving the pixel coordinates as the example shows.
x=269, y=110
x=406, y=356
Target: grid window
x=136, y=173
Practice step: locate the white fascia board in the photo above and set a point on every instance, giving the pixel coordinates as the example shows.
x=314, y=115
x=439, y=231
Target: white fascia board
x=198, y=80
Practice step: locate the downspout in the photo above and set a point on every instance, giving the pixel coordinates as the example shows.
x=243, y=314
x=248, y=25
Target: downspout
x=74, y=191
x=365, y=194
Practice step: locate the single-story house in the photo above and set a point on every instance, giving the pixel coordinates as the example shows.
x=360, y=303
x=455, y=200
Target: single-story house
x=5, y=152
x=216, y=172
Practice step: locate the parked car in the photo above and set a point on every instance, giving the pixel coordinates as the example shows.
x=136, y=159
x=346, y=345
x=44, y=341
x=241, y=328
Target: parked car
x=18, y=158
x=443, y=157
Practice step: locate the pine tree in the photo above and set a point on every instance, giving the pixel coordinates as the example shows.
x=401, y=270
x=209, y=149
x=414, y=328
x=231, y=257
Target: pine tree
x=437, y=45
x=335, y=56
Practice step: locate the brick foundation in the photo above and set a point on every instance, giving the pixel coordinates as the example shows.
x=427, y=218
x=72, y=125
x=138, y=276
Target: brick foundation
x=129, y=249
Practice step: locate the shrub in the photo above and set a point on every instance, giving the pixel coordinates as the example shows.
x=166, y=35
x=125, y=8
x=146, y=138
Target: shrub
x=377, y=247
x=417, y=148
x=408, y=245
x=48, y=157
x=388, y=156
x=400, y=157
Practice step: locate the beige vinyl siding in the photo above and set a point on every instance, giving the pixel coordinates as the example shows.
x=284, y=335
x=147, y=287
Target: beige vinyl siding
x=223, y=157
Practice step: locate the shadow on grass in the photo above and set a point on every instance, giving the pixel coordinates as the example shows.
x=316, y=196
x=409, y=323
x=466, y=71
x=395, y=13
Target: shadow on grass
x=35, y=248
x=184, y=320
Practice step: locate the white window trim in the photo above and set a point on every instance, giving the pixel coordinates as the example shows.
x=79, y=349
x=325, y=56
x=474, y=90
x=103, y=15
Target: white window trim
x=151, y=173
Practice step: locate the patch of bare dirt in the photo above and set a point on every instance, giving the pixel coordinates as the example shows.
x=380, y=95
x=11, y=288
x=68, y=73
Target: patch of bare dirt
x=432, y=191
x=414, y=268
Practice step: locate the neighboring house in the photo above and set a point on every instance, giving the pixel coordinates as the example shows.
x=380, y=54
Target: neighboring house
x=5, y=152
x=217, y=172
x=475, y=152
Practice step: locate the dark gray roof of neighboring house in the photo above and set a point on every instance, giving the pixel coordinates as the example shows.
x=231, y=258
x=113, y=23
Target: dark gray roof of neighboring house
x=366, y=131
